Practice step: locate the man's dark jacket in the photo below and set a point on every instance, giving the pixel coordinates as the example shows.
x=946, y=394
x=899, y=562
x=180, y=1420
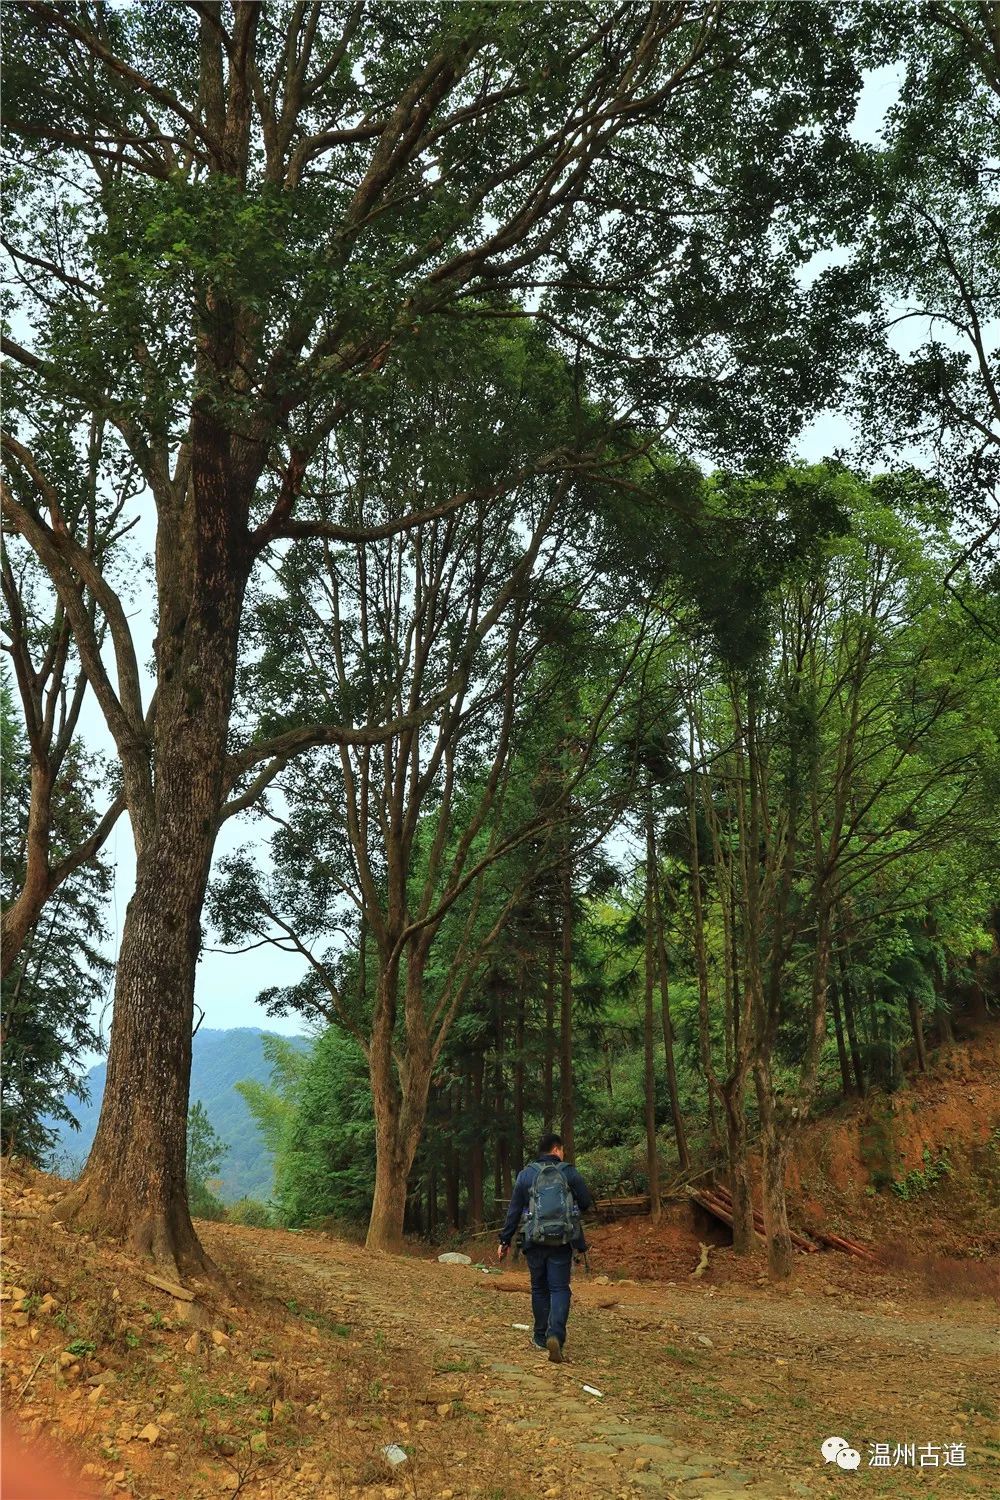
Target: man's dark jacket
x=522, y=1193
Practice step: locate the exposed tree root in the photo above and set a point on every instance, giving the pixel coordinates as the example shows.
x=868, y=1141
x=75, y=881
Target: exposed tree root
x=165, y=1238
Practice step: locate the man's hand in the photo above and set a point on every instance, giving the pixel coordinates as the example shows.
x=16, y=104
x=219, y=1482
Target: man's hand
x=502, y=1251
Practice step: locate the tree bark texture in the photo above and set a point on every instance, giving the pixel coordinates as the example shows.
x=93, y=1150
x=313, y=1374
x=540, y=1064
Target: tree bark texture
x=649, y=1071
x=734, y=1100
x=774, y=1146
x=566, y=1011
x=548, y=1066
x=133, y=1186
x=677, y=1118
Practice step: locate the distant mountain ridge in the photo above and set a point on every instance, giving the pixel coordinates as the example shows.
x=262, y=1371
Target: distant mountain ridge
x=220, y=1060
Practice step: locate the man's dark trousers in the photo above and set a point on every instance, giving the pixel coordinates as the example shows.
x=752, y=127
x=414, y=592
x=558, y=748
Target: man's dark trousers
x=550, y=1267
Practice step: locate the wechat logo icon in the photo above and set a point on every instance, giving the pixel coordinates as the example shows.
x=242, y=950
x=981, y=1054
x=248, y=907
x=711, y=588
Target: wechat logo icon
x=837, y=1450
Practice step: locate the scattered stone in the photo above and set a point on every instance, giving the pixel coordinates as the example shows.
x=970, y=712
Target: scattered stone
x=258, y=1443
x=445, y=1409
x=641, y=1465
x=219, y=1339
x=193, y=1344
x=453, y=1258
x=150, y=1434
x=192, y=1315
x=65, y=1360
x=704, y=1339
x=96, y=1393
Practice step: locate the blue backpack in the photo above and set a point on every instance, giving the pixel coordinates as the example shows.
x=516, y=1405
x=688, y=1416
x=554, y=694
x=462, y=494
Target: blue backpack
x=552, y=1213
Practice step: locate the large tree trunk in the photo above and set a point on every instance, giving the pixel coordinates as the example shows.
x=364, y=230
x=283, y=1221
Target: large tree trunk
x=385, y=1226
x=519, y=1074
x=677, y=1118
x=701, y=953
x=548, y=1066
x=133, y=1186
x=399, y=1100
x=476, y=1161
x=503, y=1182
x=566, y=1011
x=649, y=1072
x=451, y=1182
x=398, y=1125
x=774, y=1147
x=734, y=1100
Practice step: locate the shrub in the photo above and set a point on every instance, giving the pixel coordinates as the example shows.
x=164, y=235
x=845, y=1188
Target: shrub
x=203, y=1203
x=251, y=1212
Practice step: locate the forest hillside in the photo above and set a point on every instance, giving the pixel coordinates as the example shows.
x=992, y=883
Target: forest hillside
x=220, y=1059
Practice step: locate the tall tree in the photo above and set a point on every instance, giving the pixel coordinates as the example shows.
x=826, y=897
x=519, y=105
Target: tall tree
x=268, y=206
x=60, y=975
x=407, y=832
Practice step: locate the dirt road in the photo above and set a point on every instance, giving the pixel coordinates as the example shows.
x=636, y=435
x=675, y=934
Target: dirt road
x=290, y=1380
x=707, y=1393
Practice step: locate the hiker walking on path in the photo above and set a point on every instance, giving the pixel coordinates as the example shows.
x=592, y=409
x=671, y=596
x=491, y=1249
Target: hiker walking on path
x=549, y=1197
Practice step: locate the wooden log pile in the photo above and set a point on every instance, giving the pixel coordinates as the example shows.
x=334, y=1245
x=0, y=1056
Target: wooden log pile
x=608, y=1209
x=718, y=1202
x=841, y=1242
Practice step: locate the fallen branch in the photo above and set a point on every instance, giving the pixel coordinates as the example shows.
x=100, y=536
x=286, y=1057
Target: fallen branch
x=20, y=1394
x=702, y=1265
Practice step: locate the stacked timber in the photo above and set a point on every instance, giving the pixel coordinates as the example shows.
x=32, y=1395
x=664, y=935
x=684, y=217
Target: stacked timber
x=718, y=1201
x=608, y=1209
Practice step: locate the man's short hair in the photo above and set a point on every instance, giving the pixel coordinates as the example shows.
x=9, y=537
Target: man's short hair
x=547, y=1142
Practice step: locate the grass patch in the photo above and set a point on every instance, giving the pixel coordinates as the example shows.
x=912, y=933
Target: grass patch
x=681, y=1356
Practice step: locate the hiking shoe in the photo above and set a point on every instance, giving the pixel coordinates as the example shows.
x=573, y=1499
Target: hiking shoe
x=554, y=1347
x=539, y=1344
